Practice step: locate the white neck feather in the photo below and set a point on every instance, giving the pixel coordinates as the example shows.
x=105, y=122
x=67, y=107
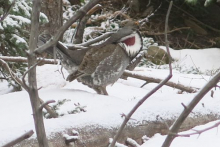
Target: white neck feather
x=133, y=50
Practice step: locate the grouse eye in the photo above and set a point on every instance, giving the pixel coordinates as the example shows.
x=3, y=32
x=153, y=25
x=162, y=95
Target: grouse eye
x=129, y=41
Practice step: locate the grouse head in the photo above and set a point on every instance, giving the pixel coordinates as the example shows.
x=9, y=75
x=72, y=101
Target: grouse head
x=129, y=38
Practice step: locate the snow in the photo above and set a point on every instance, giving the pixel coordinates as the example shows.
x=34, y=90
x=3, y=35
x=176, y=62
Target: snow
x=133, y=142
x=4, y=87
x=67, y=137
x=105, y=111
x=21, y=19
x=8, y=21
x=207, y=59
x=208, y=138
x=18, y=39
x=117, y=144
x=22, y=5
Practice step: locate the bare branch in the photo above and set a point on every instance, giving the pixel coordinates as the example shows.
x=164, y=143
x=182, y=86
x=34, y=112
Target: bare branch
x=131, y=143
x=197, y=132
x=13, y=75
x=26, y=72
x=184, y=106
x=140, y=102
x=19, y=139
x=157, y=80
x=3, y=78
x=152, y=14
x=46, y=103
x=78, y=15
x=175, y=127
x=23, y=83
x=52, y=113
x=78, y=38
x=90, y=42
x=16, y=79
x=23, y=59
x=116, y=144
x=212, y=93
x=69, y=139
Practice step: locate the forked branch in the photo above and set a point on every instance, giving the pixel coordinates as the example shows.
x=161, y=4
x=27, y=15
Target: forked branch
x=19, y=81
x=175, y=127
x=197, y=132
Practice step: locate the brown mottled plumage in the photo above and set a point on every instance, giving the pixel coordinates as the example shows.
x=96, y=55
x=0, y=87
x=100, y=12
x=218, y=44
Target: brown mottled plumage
x=102, y=64
x=101, y=67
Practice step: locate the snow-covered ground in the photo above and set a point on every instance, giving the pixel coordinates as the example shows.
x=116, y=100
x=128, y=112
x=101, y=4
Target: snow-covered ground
x=207, y=139
x=16, y=116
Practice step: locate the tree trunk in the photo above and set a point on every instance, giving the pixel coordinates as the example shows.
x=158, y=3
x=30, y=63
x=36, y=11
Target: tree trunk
x=32, y=88
x=54, y=12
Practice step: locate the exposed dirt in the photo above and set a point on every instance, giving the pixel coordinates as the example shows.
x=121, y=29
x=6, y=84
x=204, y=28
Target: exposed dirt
x=98, y=136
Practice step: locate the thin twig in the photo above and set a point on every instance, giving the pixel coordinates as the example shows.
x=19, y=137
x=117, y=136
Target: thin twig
x=198, y=132
x=131, y=143
x=90, y=42
x=19, y=139
x=26, y=72
x=140, y=102
x=19, y=81
x=13, y=75
x=152, y=14
x=175, y=127
x=192, y=44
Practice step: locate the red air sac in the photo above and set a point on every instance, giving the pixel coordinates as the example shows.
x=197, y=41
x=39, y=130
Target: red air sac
x=130, y=41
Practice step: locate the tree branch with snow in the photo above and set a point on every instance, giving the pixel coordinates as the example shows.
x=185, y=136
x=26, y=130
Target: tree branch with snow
x=198, y=132
x=19, y=139
x=157, y=80
x=24, y=59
